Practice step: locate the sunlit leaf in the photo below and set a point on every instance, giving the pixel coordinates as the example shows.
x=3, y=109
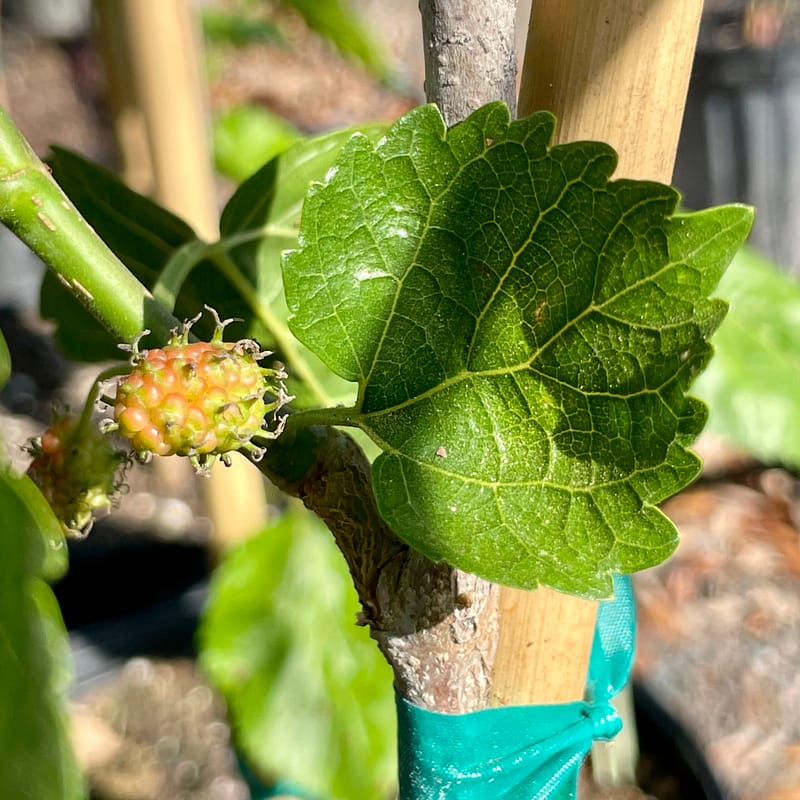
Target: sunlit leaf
x=523, y=332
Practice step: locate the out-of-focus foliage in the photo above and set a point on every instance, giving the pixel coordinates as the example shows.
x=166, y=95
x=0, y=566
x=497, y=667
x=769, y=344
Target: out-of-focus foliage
x=238, y=28
x=37, y=759
x=246, y=137
x=335, y=20
x=309, y=692
x=752, y=385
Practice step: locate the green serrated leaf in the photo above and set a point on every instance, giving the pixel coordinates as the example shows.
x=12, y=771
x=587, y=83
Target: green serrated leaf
x=523, y=332
x=37, y=758
x=751, y=385
x=310, y=694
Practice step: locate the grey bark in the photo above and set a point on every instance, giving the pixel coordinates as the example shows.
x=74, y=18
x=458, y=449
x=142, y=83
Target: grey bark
x=470, y=54
x=437, y=626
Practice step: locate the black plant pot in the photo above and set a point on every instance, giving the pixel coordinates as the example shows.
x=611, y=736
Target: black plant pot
x=127, y=595
x=671, y=763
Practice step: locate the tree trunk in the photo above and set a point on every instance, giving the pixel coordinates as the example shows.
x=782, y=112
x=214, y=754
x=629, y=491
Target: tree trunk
x=470, y=56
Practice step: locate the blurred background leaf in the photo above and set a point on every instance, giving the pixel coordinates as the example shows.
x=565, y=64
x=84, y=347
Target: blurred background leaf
x=337, y=21
x=238, y=27
x=5, y=361
x=248, y=136
x=37, y=761
x=751, y=384
x=309, y=692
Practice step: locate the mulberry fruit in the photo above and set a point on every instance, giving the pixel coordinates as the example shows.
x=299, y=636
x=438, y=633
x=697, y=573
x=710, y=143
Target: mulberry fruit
x=199, y=399
x=77, y=469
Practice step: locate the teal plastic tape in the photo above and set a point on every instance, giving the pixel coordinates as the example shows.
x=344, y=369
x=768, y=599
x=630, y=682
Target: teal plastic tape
x=520, y=752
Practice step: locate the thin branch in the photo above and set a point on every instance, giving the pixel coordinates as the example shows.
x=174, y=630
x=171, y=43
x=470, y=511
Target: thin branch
x=470, y=56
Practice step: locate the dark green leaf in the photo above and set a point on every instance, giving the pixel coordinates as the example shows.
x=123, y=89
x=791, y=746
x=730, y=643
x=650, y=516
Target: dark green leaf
x=239, y=275
x=523, y=333
x=37, y=759
x=752, y=385
x=146, y=238
x=142, y=234
x=310, y=694
x=80, y=336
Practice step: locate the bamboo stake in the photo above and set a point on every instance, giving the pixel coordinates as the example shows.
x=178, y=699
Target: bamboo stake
x=157, y=60
x=135, y=164
x=152, y=50
x=615, y=71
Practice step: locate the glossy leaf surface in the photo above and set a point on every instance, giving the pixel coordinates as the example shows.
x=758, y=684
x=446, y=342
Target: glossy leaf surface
x=523, y=332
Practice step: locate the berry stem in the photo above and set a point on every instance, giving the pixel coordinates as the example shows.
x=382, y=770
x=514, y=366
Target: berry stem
x=34, y=208
x=94, y=392
x=337, y=415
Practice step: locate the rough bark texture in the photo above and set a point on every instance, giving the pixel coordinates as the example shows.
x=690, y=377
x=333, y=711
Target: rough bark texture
x=437, y=626
x=470, y=57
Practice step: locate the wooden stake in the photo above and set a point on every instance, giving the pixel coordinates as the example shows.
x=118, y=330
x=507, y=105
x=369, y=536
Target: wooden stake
x=153, y=54
x=157, y=43
x=615, y=71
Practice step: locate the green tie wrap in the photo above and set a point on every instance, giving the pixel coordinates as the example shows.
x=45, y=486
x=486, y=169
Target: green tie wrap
x=520, y=752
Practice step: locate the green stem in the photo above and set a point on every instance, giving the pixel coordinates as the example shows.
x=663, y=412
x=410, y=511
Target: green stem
x=245, y=237
x=284, y=341
x=94, y=393
x=34, y=208
x=338, y=415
